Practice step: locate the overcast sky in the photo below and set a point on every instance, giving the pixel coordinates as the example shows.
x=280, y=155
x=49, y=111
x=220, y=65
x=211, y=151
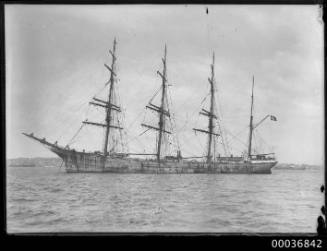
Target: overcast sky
x=54, y=66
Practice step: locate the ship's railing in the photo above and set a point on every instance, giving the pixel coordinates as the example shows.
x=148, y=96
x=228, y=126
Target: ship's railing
x=230, y=158
x=172, y=158
x=265, y=156
x=118, y=155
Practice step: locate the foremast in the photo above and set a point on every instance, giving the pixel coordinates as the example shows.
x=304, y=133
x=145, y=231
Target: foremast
x=162, y=110
x=111, y=88
x=211, y=116
x=109, y=105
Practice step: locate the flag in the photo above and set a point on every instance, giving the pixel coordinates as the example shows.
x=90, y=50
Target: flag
x=273, y=118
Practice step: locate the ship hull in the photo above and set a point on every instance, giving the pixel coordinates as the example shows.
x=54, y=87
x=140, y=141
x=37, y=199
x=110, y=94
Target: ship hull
x=80, y=162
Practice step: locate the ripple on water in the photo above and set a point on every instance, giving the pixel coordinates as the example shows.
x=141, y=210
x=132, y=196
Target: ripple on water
x=49, y=200
x=22, y=200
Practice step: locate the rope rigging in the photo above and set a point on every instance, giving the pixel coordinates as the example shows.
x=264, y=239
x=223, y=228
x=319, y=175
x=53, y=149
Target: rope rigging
x=75, y=135
x=69, y=123
x=236, y=136
x=155, y=94
x=222, y=128
x=172, y=138
x=260, y=143
x=173, y=123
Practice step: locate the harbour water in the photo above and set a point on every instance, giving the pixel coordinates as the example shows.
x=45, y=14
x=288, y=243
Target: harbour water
x=47, y=199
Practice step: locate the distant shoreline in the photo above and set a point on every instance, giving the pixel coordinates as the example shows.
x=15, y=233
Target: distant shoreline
x=34, y=162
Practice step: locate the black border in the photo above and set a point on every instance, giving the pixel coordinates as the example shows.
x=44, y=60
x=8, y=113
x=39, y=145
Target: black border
x=180, y=2
x=243, y=240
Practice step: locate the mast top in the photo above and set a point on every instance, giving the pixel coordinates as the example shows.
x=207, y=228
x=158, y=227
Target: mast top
x=165, y=50
x=213, y=67
x=252, y=85
x=212, y=84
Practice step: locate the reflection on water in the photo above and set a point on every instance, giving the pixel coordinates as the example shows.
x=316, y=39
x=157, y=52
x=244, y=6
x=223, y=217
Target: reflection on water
x=50, y=200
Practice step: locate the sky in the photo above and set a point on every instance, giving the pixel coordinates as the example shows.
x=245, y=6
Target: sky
x=54, y=66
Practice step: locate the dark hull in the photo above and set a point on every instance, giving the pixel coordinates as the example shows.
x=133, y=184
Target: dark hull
x=79, y=162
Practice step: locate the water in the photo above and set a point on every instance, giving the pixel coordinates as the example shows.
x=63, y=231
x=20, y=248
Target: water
x=46, y=199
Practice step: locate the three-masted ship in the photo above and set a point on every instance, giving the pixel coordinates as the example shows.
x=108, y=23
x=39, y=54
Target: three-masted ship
x=109, y=160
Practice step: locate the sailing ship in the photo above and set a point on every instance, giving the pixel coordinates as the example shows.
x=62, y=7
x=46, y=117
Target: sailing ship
x=113, y=161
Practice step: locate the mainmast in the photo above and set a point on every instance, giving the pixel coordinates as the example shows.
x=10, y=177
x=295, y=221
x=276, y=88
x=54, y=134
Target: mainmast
x=109, y=105
x=212, y=97
x=162, y=118
x=210, y=114
x=162, y=110
x=251, y=123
